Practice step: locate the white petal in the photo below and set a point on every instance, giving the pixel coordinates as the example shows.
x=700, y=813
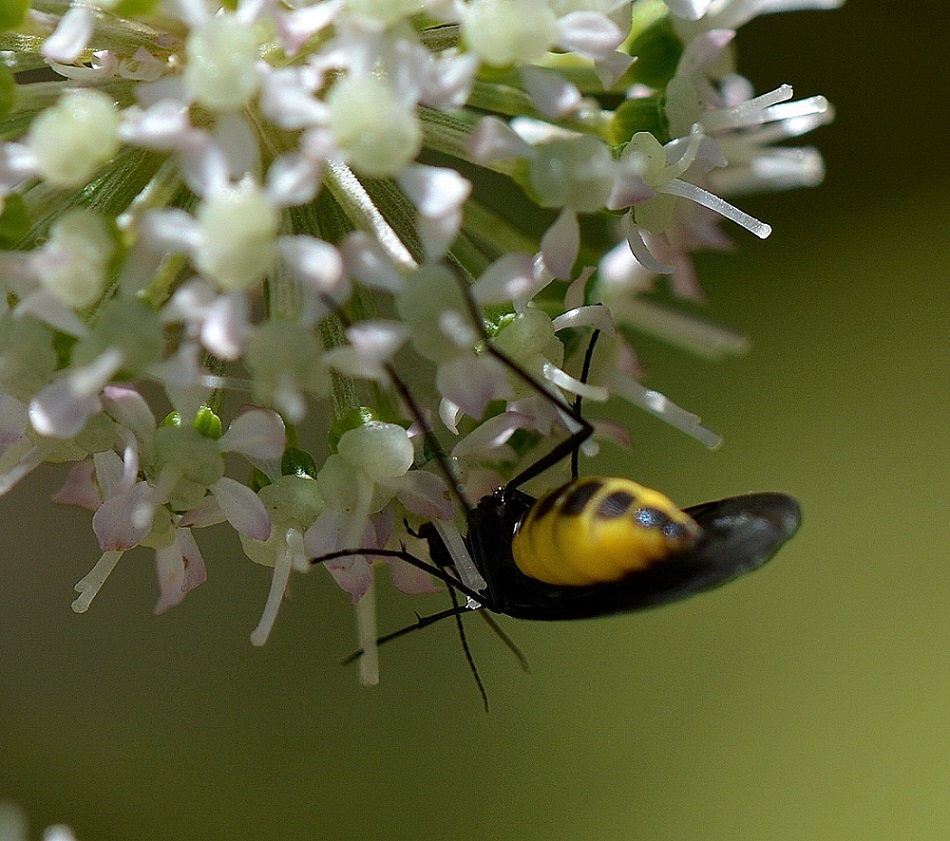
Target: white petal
x=365, y=260
x=225, y=328
x=561, y=243
x=493, y=140
x=689, y=9
x=292, y=179
x=130, y=409
x=287, y=98
x=319, y=266
x=552, y=94
x=424, y=494
x=71, y=36
x=42, y=304
x=449, y=81
x=171, y=230
x=242, y=507
x=124, y=520
x=490, y=435
x=257, y=433
x=62, y=408
x=507, y=279
x=164, y=125
x=611, y=68
x=590, y=34
x=438, y=233
x=471, y=382
x=640, y=250
x=435, y=191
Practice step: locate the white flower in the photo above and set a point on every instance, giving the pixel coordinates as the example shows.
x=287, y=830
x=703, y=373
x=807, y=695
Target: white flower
x=300, y=204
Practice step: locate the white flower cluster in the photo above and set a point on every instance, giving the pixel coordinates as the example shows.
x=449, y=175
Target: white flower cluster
x=267, y=196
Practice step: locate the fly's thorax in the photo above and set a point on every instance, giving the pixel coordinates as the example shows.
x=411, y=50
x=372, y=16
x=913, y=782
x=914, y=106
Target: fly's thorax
x=597, y=530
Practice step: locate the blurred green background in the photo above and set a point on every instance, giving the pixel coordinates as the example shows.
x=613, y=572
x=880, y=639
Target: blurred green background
x=807, y=702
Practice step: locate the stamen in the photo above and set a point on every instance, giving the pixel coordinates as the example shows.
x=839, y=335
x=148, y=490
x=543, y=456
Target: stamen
x=89, y=585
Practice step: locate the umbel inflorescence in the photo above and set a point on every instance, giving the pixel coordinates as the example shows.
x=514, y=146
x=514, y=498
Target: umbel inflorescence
x=278, y=199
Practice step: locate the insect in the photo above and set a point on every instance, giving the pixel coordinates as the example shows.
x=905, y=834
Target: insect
x=593, y=547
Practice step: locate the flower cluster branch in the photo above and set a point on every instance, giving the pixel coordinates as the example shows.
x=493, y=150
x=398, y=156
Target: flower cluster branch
x=277, y=198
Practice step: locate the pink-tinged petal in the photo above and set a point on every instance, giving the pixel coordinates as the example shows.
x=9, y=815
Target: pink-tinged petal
x=689, y=9
x=702, y=52
x=411, y=580
x=610, y=68
x=170, y=571
x=490, y=436
x=323, y=536
x=589, y=34
x=124, y=520
x=205, y=165
x=575, y=295
x=493, y=140
x=640, y=250
x=287, y=99
x=17, y=162
x=170, y=230
x=41, y=304
x=59, y=412
x=438, y=233
x=242, y=507
x=629, y=188
x=319, y=267
x=449, y=81
x=434, y=191
x=507, y=279
x=257, y=433
x=205, y=513
x=293, y=179
x=471, y=382
x=79, y=488
x=372, y=345
x=560, y=244
x=352, y=575
x=424, y=494
x=225, y=328
x=186, y=383
x=128, y=407
x=110, y=473
x=71, y=36
x=180, y=568
x=163, y=126
x=195, y=572
x=365, y=260
x=294, y=28
x=616, y=432
x=552, y=94
x=449, y=414
x=190, y=302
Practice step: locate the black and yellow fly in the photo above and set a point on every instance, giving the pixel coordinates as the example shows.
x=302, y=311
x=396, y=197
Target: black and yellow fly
x=592, y=547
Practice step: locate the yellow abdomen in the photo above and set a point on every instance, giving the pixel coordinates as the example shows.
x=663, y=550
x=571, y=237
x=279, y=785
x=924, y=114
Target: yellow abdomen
x=597, y=530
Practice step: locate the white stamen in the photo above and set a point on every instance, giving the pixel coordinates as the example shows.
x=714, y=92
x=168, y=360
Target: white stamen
x=92, y=582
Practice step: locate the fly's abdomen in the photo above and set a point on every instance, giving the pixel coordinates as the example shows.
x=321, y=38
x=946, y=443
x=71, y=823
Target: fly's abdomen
x=598, y=530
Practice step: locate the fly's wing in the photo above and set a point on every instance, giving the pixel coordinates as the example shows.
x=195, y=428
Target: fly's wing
x=739, y=535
